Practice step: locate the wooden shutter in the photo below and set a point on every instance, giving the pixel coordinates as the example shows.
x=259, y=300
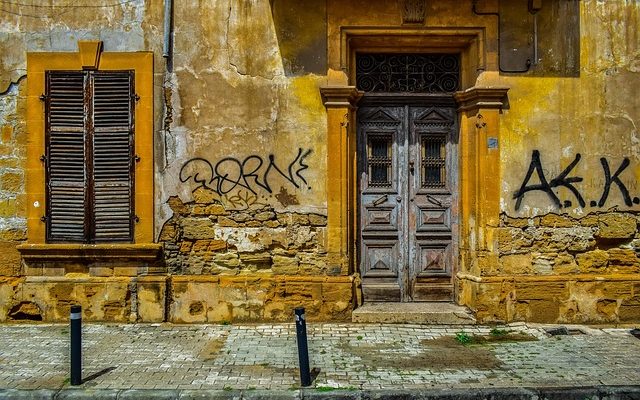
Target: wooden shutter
x=65, y=157
x=113, y=105
x=89, y=156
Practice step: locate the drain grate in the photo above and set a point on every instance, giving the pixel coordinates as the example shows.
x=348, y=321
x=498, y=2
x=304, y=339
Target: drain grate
x=564, y=331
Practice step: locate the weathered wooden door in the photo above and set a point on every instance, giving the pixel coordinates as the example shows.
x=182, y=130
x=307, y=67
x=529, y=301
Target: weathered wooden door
x=407, y=168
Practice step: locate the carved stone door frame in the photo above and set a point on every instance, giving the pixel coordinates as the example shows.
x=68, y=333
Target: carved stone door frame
x=479, y=148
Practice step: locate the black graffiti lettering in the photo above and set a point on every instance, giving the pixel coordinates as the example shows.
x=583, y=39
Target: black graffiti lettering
x=230, y=173
x=609, y=179
x=562, y=180
x=535, y=166
x=547, y=187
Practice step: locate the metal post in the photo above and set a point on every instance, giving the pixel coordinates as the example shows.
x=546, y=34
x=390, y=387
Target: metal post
x=75, y=320
x=303, y=350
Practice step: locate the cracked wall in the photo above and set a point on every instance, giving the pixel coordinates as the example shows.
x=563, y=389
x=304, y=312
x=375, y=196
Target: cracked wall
x=565, y=249
x=241, y=172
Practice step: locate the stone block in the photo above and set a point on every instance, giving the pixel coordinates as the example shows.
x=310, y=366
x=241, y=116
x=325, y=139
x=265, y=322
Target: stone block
x=516, y=264
x=565, y=264
x=261, y=260
x=541, y=291
x=593, y=261
x=205, y=195
x=169, y=232
x=513, y=240
x=177, y=206
x=10, y=260
x=556, y=221
x=8, y=207
x=151, y=300
x=226, y=222
x=623, y=257
x=239, y=217
x=53, y=271
x=12, y=182
x=285, y=265
x=265, y=216
x=226, y=260
x=192, y=301
x=545, y=311
x=100, y=271
x=616, y=226
x=317, y=220
x=32, y=270
x=629, y=310
x=198, y=228
x=125, y=271
x=208, y=210
x=271, y=224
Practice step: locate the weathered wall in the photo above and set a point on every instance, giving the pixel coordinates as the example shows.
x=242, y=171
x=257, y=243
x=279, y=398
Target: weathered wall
x=241, y=171
x=566, y=249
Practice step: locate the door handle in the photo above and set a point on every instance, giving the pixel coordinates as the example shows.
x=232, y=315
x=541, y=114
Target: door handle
x=380, y=200
x=433, y=200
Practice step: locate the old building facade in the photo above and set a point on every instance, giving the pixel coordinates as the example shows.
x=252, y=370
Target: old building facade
x=228, y=160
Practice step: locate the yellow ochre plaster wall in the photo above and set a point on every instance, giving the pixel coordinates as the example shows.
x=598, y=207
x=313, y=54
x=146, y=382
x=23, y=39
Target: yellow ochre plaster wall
x=254, y=197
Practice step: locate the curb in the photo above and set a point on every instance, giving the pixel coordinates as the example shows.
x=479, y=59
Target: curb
x=542, y=393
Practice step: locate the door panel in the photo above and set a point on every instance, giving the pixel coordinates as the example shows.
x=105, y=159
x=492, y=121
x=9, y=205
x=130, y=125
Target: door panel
x=382, y=153
x=407, y=206
x=433, y=173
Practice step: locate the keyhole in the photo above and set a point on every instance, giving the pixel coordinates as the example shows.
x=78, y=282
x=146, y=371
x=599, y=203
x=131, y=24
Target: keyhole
x=411, y=167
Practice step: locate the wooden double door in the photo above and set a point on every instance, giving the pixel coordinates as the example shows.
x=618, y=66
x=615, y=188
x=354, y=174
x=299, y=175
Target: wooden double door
x=408, y=212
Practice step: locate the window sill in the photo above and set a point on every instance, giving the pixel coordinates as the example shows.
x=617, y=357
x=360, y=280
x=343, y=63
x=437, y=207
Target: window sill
x=92, y=252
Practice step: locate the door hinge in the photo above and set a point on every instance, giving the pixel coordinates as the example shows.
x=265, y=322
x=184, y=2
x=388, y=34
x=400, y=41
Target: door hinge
x=43, y=97
x=44, y=218
x=136, y=158
x=43, y=158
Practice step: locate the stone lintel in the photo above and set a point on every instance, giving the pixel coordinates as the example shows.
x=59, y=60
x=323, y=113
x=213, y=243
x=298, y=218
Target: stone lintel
x=340, y=96
x=93, y=252
x=476, y=98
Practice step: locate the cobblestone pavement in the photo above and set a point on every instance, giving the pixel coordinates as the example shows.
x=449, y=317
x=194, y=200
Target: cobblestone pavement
x=348, y=356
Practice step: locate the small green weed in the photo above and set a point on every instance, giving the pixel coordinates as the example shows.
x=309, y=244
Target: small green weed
x=227, y=388
x=463, y=337
x=325, y=388
x=499, y=332
x=225, y=322
x=359, y=337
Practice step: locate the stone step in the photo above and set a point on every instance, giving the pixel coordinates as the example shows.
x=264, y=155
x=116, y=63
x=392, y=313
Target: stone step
x=431, y=313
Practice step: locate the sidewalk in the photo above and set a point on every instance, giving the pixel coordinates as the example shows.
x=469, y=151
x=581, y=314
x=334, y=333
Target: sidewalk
x=354, y=361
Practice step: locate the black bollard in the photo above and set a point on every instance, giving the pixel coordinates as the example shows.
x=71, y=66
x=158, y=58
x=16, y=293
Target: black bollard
x=303, y=350
x=75, y=320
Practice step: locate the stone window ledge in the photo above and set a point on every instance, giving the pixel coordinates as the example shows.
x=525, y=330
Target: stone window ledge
x=93, y=252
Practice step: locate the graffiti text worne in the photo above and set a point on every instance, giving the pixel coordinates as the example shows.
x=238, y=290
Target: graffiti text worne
x=611, y=180
x=252, y=173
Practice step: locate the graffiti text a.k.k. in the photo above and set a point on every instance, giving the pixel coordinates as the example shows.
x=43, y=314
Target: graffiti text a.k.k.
x=253, y=173
x=611, y=183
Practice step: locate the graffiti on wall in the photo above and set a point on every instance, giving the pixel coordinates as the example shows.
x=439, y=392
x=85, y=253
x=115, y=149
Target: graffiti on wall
x=245, y=177
x=611, y=183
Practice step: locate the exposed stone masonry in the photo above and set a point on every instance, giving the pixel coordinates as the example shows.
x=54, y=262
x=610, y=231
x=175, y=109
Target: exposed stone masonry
x=558, y=244
x=204, y=238
x=559, y=269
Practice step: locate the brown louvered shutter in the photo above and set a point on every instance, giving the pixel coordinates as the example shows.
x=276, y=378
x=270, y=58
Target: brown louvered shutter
x=113, y=104
x=89, y=156
x=65, y=157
